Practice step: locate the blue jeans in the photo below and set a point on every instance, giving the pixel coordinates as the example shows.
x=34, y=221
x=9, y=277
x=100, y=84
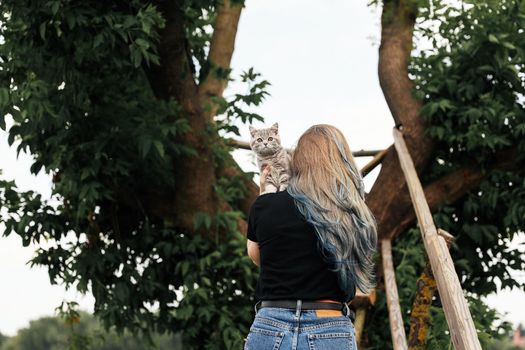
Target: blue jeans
x=277, y=328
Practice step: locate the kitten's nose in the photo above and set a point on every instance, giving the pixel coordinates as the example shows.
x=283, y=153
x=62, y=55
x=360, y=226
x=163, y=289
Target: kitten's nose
x=265, y=143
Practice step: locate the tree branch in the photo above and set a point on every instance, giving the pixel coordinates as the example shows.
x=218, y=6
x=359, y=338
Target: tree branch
x=173, y=77
x=453, y=187
x=221, y=51
x=390, y=189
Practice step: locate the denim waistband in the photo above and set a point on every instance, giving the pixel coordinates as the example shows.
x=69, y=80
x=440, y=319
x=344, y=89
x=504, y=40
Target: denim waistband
x=298, y=309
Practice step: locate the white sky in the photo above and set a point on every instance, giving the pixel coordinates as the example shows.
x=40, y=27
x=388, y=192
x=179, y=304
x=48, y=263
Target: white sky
x=321, y=59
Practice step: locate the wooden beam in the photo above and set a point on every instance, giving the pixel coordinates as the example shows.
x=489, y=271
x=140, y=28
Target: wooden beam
x=378, y=158
x=239, y=144
x=399, y=339
x=361, y=153
x=361, y=302
x=446, y=190
x=449, y=239
x=359, y=324
x=366, y=153
x=457, y=313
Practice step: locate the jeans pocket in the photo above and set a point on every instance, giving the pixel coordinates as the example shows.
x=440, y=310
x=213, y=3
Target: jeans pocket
x=328, y=341
x=263, y=339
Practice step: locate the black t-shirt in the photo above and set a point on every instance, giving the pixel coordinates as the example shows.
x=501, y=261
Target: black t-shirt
x=291, y=266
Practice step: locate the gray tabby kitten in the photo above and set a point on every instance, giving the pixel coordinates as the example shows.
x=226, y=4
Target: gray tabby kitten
x=266, y=144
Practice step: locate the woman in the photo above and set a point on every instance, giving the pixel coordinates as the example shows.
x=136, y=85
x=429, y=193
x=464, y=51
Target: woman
x=314, y=243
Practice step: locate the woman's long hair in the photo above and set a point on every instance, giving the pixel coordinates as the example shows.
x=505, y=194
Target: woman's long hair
x=328, y=190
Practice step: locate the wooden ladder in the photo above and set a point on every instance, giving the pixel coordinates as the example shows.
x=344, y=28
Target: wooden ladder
x=457, y=313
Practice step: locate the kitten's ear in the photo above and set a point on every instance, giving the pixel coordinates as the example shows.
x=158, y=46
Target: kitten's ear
x=252, y=130
x=275, y=128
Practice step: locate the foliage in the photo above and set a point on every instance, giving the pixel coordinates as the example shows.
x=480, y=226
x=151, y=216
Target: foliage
x=473, y=87
x=75, y=94
x=199, y=16
x=504, y=344
x=52, y=333
x=235, y=109
x=45, y=333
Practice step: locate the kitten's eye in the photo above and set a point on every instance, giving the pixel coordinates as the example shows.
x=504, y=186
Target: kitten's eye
x=259, y=140
x=270, y=138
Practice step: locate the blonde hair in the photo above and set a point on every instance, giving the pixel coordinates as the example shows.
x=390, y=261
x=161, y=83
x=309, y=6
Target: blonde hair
x=329, y=192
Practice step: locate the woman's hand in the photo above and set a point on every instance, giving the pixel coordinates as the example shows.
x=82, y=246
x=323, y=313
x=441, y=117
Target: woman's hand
x=264, y=175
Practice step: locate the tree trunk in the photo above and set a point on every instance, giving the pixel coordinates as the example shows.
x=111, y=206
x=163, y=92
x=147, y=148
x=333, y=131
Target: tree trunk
x=195, y=176
x=390, y=188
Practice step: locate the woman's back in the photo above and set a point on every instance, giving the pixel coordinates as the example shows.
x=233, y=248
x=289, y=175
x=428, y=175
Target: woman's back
x=291, y=265
x=320, y=219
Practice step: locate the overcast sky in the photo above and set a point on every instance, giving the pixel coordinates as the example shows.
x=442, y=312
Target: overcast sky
x=321, y=59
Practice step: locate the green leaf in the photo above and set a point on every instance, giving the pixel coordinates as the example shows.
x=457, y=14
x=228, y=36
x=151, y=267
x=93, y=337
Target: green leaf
x=206, y=281
x=185, y=268
x=142, y=43
x=4, y=98
x=144, y=147
x=136, y=56
x=445, y=105
x=99, y=38
x=71, y=21
x=202, y=220
x=54, y=7
x=493, y=39
x=42, y=30
x=159, y=147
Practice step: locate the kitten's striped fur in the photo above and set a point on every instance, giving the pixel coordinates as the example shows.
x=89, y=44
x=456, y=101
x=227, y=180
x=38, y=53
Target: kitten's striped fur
x=266, y=143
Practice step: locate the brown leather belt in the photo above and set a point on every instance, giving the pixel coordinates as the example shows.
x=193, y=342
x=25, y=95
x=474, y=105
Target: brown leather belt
x=308, y=305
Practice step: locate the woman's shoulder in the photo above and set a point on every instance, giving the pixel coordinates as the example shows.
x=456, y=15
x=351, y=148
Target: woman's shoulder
x=271, y=196
x=270, y=199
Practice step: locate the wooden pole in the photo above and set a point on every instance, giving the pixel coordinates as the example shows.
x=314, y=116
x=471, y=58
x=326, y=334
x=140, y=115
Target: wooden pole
x=457, y=314
x=361, y=302
x=378, y=158
x=361, y=153
x=399, y=339
x=359, y=324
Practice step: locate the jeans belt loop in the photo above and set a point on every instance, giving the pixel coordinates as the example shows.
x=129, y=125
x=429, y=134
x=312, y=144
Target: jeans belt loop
x=298, y=308
x=347, y=309
x=255, y=307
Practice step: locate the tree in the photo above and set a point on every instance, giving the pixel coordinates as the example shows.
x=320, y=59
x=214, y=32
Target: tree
x=116, y=100
x=50, y=333
x=467, y=98
x=3, y=338
x=46, y=333
x=122, y=102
